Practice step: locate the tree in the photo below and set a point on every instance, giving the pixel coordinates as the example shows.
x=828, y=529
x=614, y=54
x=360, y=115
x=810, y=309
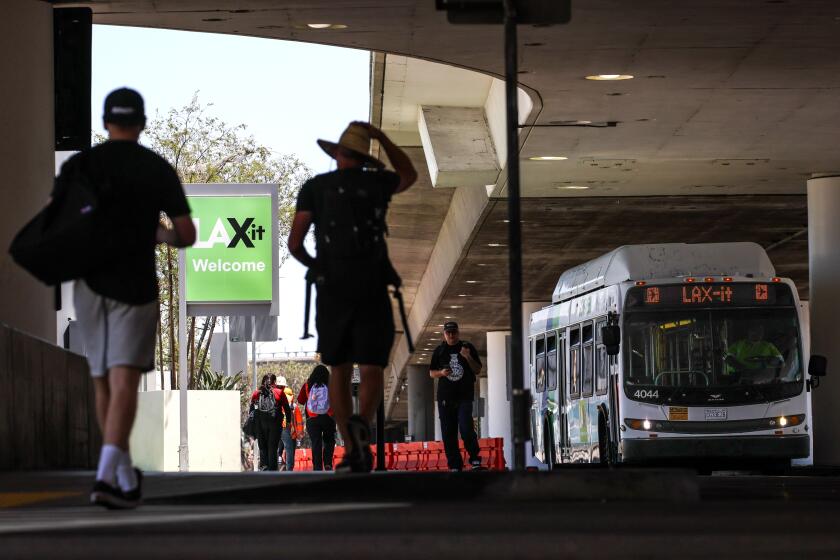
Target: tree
x=204, y=149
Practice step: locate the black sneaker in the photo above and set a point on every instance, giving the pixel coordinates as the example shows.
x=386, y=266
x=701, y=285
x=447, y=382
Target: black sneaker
x=361, y=459
x=111, y=497
x=135, y=496
x=476, y=465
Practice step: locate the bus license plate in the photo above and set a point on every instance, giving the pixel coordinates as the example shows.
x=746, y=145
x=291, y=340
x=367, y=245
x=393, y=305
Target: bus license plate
x=715, y=413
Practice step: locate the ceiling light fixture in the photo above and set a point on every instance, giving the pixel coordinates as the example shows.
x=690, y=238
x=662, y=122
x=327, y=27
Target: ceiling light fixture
x=495, y=244
x=326, y=26
x=609, y=77
x=474, y=281
x=548, y=158
x=573, y=187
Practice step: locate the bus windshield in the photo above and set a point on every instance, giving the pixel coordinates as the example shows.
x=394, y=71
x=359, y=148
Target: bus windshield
x=686, y=356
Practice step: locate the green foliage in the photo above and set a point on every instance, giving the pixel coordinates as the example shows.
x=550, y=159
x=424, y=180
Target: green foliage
x=215, y=381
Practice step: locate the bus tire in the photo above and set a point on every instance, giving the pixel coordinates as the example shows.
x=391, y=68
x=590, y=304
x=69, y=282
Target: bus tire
x=548, y=448
x=604, y=444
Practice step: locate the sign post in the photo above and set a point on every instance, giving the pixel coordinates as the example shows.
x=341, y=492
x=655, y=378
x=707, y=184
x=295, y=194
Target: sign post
x=232, y=269
x=510, y=13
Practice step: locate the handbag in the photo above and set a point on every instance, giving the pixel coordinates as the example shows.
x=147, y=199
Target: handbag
x=250, y=426
x=66, y=239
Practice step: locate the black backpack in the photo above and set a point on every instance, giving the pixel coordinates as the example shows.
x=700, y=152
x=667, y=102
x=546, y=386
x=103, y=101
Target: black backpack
x=352, y=255
x=267, y=404
x=352, y=259
x=65, y=240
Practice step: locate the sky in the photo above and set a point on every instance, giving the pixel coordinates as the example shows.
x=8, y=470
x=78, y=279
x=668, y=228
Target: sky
x=287, y=94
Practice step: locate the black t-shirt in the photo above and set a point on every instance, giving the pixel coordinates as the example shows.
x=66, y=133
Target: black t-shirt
x=348, y=209
x=460, y=385
x=135, y=186
x=311, y=195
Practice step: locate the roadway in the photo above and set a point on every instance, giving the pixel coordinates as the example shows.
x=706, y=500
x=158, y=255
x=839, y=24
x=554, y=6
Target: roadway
x=565, y=514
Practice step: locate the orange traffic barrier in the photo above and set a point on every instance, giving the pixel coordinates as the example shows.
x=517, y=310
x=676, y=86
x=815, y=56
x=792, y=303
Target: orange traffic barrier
x=418, y=456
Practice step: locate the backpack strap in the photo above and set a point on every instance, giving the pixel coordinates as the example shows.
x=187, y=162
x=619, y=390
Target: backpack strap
x=307, y=305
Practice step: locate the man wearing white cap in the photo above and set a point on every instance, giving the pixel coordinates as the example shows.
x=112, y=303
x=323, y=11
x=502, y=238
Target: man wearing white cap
x=352, y=273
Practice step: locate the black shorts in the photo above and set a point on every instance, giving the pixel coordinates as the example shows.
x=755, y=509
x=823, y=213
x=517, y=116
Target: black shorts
x=354, y=331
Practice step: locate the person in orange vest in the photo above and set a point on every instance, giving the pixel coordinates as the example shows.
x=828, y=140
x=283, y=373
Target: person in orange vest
x=320, y=424
x=296, y=431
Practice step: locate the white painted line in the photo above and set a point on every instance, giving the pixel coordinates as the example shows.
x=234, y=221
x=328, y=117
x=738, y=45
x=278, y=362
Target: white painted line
x=108, y=520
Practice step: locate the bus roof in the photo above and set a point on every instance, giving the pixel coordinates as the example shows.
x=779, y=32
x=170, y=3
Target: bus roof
x=664, y=260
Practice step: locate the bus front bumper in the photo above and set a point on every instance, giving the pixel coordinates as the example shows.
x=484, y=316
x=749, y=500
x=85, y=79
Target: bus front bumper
x=732, y=447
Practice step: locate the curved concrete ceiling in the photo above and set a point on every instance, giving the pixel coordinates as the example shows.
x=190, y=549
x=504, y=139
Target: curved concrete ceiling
x=729, y=96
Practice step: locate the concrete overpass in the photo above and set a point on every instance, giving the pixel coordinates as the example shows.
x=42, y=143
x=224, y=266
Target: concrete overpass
x=733, y=106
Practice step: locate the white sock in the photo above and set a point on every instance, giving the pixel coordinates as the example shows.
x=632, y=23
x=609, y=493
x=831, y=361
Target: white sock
x=109, y=458
x=126, y=475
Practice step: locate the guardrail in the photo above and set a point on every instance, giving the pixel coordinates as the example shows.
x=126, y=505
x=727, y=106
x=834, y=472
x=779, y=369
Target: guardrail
x=419, y=456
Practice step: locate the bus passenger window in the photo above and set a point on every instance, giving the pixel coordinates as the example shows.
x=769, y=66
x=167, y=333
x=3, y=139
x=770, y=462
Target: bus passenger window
x=586, y=362
x=601, y=362
x=540, y=369
x=574, y=363
x=551, y=361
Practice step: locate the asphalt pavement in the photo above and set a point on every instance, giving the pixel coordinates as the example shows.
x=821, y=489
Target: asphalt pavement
x=570, y=513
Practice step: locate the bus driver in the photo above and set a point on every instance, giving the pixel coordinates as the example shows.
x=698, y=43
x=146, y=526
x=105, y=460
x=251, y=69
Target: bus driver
x=752, y=353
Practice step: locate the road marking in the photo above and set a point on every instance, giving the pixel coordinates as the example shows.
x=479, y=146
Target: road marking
x=16, y=499
x=101, y=519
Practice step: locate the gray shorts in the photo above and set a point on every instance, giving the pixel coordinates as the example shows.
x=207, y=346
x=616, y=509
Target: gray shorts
x=115, y=333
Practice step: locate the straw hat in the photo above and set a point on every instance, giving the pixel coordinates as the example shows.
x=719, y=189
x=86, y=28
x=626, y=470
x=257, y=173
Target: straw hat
x=356, y=139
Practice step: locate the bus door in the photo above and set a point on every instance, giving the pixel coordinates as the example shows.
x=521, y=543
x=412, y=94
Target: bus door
x=606, y=381
x=557, y=381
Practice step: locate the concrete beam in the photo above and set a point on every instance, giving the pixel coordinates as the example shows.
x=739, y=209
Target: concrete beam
x=459, y=146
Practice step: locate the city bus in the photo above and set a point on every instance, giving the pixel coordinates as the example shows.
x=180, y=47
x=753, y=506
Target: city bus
x=672, y=353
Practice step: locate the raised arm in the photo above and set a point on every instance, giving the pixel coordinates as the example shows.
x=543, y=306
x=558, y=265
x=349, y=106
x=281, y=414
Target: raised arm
x=398, y=158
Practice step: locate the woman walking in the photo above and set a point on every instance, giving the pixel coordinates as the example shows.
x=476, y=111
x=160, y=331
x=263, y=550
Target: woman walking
x=319, y=417
x=270, y=404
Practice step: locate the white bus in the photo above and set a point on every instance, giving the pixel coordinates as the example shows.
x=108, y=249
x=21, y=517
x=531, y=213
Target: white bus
x=672, y=353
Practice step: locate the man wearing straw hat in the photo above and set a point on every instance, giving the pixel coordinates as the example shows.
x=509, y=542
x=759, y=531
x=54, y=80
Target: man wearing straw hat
x=352, y=272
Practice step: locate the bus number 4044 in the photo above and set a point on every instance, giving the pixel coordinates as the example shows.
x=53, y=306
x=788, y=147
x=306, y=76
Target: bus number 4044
x=646, y=394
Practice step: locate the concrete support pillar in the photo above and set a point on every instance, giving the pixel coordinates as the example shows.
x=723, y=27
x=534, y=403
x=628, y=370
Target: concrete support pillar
x=421, y=400
x=438, y=436
x=27, y=152
x=498, y=394
x=824, y=267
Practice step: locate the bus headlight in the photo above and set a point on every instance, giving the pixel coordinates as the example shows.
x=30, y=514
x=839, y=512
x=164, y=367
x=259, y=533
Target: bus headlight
x=786, y=421
x=644, y=425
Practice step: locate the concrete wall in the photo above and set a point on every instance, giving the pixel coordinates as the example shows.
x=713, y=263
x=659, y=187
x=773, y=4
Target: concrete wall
x=27, y=144
x=47, y=416
x=214, y=431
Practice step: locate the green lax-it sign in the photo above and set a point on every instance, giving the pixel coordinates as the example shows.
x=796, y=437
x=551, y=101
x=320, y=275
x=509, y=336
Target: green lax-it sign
x=232, y=258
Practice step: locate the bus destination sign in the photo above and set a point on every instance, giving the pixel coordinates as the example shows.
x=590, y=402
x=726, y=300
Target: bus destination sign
x=704, y=295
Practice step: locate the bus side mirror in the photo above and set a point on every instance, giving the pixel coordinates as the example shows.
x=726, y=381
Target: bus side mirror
x=611, y=336
x=817, y=366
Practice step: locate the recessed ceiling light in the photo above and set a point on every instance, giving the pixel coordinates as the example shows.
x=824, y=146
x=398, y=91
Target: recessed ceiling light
x=495, y=244
x=463, y=295
x=456, y=307
x=448, y=317
x=548, y=158
x=573, y=187
x=609, y=77
x=475, y=281
x=437, y=332
x=326, y=26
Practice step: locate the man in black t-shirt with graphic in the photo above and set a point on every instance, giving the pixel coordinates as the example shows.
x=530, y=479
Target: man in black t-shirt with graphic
x=455, y=364
x=352, y=273
x=116, y=305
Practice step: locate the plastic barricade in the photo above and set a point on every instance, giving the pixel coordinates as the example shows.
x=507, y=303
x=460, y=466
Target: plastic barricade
x=413, y=452
x=436, y=457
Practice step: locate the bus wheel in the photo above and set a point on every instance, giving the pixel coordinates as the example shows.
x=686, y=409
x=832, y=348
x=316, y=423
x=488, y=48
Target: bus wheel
x=548, y=448
x=603, y=440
